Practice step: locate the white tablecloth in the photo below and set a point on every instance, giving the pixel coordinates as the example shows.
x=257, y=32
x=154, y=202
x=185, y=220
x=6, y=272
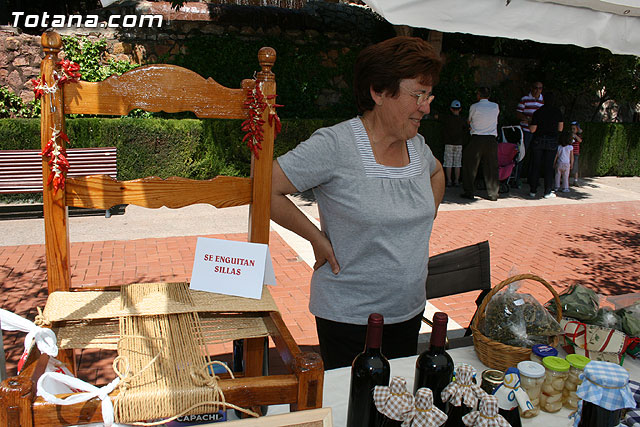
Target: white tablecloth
x=336, y=387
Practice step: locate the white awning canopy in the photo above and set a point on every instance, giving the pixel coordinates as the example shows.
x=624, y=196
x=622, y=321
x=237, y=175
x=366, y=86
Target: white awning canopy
x=611, y=24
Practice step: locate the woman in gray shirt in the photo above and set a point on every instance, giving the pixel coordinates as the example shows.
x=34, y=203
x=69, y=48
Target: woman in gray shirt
x=378, y=187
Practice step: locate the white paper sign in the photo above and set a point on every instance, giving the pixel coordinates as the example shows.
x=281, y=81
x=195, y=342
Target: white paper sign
x=232, y=268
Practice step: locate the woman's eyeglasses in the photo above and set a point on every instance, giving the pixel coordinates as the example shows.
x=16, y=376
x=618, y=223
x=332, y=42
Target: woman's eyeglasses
x=421, y=97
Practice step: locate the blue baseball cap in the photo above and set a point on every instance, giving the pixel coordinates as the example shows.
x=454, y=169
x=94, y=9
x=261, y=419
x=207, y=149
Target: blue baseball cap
x=455, y=104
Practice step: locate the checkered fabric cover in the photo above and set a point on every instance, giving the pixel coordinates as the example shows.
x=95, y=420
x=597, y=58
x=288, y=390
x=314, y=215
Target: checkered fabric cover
x=604, y=384
x=487, y=414
x=632, y=418
x=463, y=389
x=427, y=415
x=607, y=385
x=395, y=401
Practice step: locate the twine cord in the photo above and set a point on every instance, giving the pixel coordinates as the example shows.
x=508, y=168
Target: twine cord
x=167, y=352
x=163, y=365
x=604, y=386
x=40, y=320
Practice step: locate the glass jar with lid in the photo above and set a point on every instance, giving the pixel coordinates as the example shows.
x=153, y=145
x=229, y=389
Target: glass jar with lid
x=605, y=393
x=532, y=376
x=540, y=351
x=556, y=373
x=569, y=397
x=491, y=380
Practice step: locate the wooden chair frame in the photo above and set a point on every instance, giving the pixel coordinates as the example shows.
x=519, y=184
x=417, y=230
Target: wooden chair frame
x=153, y=88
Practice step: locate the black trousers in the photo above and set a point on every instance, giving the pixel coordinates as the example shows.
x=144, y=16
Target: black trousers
x=543, y=153
x=340, y=343
x=522, y=167
x=481, y=148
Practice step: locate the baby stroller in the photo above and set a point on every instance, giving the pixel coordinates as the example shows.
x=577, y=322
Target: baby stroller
x=510, y=151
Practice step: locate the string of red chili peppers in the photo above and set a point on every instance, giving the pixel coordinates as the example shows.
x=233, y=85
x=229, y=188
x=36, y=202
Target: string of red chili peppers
x=57, y=159
x=53, y=150
x=69, y=73
x=256, y=103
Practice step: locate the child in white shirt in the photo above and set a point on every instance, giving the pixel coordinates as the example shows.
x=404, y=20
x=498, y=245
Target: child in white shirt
x=563, y=161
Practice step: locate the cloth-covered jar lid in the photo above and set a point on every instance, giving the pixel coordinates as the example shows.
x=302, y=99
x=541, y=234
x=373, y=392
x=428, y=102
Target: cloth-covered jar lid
x=395, y=401
x=607, y=385
x=427, y=414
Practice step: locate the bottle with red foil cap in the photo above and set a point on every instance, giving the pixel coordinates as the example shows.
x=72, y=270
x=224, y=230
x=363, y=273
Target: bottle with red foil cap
x=434, y=367
x=369, y=369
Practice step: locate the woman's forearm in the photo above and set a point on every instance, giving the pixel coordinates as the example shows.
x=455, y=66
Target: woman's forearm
x=288, y=215
x=437, y=186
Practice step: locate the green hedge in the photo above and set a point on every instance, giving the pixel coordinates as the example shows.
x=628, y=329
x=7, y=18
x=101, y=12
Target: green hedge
x=190, y=148
x=202, y=149
x=611, y=149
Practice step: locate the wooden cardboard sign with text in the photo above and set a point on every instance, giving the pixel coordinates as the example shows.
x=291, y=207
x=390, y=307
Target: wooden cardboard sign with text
x=232, y=268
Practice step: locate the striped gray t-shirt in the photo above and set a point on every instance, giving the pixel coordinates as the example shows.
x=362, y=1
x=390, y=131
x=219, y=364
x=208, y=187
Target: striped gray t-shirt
x=378, y=218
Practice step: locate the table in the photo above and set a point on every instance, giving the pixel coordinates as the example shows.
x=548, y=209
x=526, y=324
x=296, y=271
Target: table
x=336, y=387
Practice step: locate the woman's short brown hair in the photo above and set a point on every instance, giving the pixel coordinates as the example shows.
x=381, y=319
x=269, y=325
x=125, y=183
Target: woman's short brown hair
x=381, y=66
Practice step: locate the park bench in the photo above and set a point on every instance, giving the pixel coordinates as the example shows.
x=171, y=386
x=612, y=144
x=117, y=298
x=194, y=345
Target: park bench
x=21, y=172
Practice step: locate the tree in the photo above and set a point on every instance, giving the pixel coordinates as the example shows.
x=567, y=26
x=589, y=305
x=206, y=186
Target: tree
x=591, y=75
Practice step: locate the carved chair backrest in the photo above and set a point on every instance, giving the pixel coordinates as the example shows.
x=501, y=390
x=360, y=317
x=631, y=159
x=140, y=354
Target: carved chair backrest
x=153, y=88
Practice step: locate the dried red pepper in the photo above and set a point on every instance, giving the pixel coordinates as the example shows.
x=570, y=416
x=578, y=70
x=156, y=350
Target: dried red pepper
x=253, y=126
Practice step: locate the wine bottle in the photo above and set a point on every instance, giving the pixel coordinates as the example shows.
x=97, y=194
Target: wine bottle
x=369, y=369
x=434, y=367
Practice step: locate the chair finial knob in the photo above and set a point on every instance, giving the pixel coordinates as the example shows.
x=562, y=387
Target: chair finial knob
x=51, y=40
x=267, y=57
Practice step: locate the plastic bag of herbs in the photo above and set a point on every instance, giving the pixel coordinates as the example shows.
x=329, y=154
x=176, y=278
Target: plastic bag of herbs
x=607, y=318
x=518, y=319
x=630, y=319
x=578, y=303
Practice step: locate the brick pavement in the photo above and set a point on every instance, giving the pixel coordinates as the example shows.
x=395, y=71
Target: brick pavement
x=597, y=244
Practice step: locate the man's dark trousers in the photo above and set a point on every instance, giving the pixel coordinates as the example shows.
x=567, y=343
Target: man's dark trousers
x=481, y=148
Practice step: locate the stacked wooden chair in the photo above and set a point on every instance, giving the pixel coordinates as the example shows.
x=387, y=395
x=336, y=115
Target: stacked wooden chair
x=171, y=89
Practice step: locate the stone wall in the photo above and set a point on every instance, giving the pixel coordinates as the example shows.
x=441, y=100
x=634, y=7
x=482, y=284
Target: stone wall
x=343, y=25
x=20, y=56
x=346, y=26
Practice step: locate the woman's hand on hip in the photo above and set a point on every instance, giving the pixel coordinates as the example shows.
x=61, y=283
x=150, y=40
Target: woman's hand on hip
x=323, y=251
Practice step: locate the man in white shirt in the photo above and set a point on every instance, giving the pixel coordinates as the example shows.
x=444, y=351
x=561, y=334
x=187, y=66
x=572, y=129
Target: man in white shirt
x=483, y=146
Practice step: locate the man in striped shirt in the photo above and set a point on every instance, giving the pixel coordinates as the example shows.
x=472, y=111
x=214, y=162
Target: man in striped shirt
x=527, y=106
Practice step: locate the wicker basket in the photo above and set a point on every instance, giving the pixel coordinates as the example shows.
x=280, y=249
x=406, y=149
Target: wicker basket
x=495, y=354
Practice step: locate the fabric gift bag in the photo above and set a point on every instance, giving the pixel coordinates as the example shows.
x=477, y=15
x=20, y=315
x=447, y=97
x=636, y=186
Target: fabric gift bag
x=595, y=342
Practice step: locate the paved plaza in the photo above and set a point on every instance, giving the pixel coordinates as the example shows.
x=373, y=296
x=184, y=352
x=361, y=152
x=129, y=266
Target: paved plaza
x=589, y=236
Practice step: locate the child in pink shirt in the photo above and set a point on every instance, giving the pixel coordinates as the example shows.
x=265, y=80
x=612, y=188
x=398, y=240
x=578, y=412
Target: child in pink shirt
x=564, y=161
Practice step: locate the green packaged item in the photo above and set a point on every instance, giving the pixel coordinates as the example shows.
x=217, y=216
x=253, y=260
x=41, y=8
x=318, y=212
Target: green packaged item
x=630, y=319
x=578, y=303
